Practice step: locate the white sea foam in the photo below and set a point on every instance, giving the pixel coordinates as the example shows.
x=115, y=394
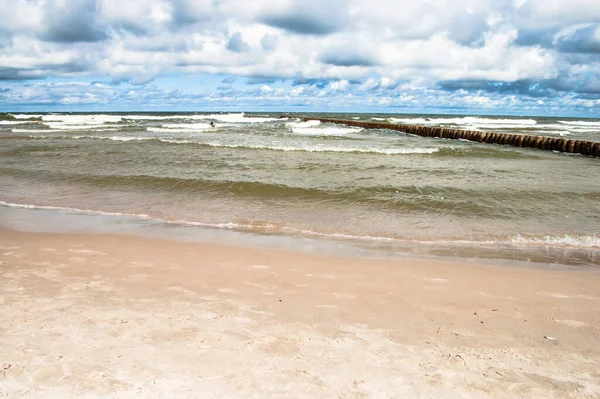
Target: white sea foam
x=581, y=123
x=326, y=131
x=304, y=148
x=26, y=116
x=64, y=126
x=176, y=130
x=323, y=148
x=95, y=119
x=121, y=138
x=468, y=121
x=13, y=122
x=91, y=137
x=34, y=131
x=157, y=117
x=310, y=123
x=580, y=242
x=190, y=126
x=237, y=118
x=591, y=241
x=63, y=208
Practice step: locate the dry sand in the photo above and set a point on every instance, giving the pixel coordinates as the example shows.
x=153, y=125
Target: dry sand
x=113, y=316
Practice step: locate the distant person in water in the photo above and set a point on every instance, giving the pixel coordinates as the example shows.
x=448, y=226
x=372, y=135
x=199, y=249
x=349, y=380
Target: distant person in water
x=212, y=124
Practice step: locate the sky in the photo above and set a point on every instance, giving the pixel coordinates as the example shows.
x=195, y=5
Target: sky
x=509, y=57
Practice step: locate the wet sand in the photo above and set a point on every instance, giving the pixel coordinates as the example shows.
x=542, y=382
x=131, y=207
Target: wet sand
x=116, y=316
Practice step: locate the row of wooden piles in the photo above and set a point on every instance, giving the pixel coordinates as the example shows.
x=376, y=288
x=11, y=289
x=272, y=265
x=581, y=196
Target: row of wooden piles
x=518, y=140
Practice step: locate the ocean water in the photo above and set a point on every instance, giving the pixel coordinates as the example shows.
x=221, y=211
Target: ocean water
x=275, y=175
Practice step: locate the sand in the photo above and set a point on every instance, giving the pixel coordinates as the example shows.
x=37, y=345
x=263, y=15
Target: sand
x=117, y=316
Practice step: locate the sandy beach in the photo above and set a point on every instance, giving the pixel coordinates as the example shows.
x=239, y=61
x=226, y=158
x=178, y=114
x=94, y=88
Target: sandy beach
x=118, y=316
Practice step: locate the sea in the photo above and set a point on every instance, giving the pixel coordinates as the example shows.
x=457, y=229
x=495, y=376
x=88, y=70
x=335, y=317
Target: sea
x=274, y=178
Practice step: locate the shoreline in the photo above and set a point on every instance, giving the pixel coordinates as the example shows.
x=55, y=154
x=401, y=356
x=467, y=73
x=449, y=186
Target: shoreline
x=114, y=315
x=540, y=255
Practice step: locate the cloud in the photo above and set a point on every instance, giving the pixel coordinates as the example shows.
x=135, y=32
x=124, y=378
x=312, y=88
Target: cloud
x=347, y=58
x=268, y=42
x=72, y=21
x=237, y=44
x=367, y=53
x=584, y=39
x=307, y=17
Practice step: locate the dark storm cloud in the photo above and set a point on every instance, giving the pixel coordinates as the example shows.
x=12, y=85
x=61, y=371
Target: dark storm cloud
x=73, y=21
x=347, y=60
x=583, y=40
x=237, y=44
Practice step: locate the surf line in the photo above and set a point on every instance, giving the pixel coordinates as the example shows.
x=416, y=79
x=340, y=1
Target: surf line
x=589, y=148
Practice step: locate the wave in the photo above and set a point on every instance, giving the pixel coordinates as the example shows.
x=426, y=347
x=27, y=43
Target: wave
x=566, y=241
x=82, y=119
x=114, y=138
x=191, y=126
x=468, y=120
x=237, y=118
x=310, y=123
x=156, y=117
x=35, y=131
x=304, y=148
x=27, y=116
x=326, y=131
x=13, y=122
x=63, y=126
x=320, y=148
x=591, y=241
x=581, y=123
x=175, y=130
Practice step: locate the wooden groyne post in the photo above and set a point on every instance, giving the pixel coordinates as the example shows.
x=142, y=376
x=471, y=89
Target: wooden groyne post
x=590, y=148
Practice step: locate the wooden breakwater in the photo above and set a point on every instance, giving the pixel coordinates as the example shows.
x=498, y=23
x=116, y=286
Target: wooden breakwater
x=590, y=148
